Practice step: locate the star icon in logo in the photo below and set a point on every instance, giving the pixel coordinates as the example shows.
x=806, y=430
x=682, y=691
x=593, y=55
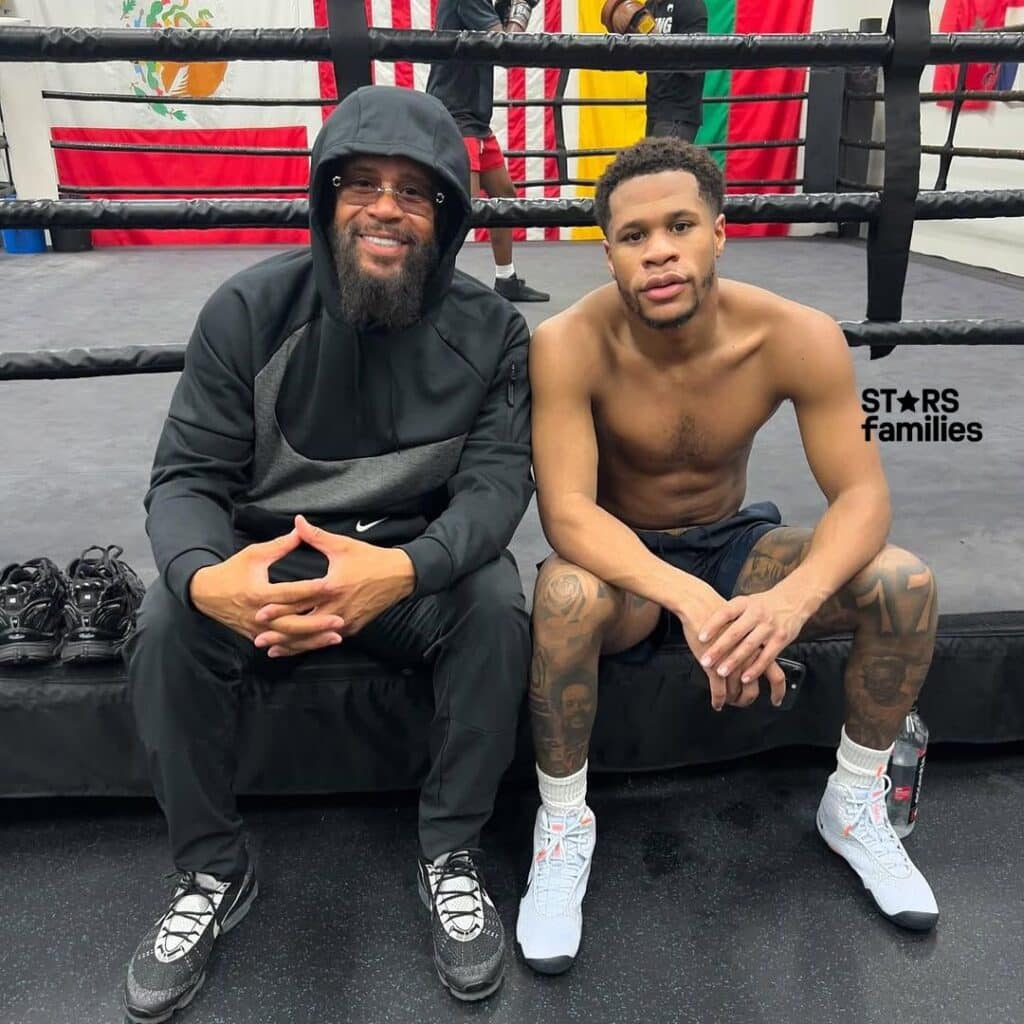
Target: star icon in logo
x=908, y=402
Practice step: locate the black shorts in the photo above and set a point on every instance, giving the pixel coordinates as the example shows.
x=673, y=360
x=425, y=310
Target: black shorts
x=714, y=553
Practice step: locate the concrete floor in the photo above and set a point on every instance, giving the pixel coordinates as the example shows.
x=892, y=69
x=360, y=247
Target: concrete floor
x=712, y=901
x=77, y=453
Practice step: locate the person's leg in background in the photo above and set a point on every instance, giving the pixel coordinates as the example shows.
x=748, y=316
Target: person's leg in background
x=684, y=130
x=493, y=179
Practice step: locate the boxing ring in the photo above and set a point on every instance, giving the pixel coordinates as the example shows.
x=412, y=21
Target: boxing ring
x=86, y=398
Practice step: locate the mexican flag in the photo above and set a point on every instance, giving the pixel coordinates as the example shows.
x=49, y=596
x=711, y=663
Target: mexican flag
x=607, y=127
x=161, y=121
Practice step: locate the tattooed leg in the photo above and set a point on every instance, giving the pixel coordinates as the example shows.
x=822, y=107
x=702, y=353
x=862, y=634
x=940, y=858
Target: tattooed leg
x=575, y=615
x=896, y=606
x=891, y=607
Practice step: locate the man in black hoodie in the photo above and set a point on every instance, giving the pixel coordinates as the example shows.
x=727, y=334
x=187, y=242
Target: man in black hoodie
x=346, y=456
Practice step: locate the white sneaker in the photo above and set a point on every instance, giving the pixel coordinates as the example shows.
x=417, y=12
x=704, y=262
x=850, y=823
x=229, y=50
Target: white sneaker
x=855, y=824
x=550, y=922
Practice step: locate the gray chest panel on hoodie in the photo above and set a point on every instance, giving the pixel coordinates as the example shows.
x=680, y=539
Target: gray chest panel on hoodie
x=284, y=481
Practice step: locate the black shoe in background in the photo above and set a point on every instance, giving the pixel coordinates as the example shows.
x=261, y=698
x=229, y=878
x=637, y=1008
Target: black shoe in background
x=169, y=966
x=104, y=595
x=468, y=937
x=515, y=289
x=32, y=599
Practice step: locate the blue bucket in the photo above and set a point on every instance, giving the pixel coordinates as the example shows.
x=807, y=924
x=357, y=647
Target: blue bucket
x=19, y=241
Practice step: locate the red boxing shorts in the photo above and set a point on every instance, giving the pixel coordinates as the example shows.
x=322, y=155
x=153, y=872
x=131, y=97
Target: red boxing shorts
x=484, y=154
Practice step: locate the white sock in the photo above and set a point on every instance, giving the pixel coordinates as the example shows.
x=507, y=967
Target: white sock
x=560, y=796
x=859, y=766
x=504, y=272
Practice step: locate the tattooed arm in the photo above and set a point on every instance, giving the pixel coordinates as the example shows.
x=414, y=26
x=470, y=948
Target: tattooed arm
x=810, y=363
x=565, y=464
x=814, y=367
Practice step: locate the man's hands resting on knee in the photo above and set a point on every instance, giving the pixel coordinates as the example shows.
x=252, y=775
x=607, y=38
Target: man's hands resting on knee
x=362, y=580
x=737, y=641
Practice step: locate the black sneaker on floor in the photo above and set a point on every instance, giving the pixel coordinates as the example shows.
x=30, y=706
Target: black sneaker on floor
x=469, y=941
x=104, y=596
x=515, y=289
x=169, y=966
x=32, y=599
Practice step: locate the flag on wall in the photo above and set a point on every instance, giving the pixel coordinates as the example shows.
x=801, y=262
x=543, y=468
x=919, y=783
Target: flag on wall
x=608, y=127
x=973, y=16
x=161, y=121
x=518, y=123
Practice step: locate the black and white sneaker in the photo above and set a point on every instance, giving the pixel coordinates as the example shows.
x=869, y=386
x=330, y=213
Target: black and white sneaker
x=32, y=599
x=104, y=596
x=169, y=966
x=469, y=941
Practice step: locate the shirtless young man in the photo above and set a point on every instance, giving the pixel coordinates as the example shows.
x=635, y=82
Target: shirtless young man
x=647, y=395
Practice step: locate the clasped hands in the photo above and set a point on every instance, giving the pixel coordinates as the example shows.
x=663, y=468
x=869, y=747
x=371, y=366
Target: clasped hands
x=362, y=580
x=738, y=641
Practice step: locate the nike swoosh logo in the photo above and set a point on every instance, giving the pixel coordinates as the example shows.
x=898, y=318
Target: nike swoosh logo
x=362, y=527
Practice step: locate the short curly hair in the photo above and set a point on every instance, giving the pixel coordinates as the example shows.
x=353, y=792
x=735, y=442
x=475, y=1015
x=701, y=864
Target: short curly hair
x=652, y=156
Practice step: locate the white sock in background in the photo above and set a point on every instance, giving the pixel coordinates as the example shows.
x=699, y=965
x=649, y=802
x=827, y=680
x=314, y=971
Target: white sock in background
x=505, y=272
x=560, y=796
x=859, y=766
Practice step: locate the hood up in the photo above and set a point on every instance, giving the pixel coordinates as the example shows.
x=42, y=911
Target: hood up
x=386, y=121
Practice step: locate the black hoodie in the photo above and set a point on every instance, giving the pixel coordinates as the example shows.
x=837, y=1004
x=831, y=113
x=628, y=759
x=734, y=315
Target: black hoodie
x=418, y=438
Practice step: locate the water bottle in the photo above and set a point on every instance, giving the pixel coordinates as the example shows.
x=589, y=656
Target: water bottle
x=906, y=769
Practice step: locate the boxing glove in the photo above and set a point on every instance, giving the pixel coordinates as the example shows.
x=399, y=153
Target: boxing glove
x=627, y=17
x=519, y=16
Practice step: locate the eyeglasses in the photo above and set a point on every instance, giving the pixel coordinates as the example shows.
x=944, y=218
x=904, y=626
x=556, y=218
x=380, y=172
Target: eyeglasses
x=410, y=197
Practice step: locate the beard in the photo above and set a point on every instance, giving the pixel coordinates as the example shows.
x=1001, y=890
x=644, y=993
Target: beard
x=633, y=304
x=394, y=301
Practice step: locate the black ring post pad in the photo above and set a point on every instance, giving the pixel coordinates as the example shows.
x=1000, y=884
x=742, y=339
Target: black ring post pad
x=889, y=235
x=350, y=44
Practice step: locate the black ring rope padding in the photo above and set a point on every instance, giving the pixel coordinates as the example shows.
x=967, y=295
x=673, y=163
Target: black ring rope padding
x=711, y=147
x=667, y=53
x=592, y=182
x=604, y=102
x=350, y=45
x=179, y=101
x=803, y=208
x=1003, y=45
x=890, y=234
x=68, y=364
x=1010, y=95
x=967, y=151
x=540, y=101
x=598, y=52
x=145, y=147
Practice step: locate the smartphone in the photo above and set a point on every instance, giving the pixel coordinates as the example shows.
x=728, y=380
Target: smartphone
x=795, y=671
